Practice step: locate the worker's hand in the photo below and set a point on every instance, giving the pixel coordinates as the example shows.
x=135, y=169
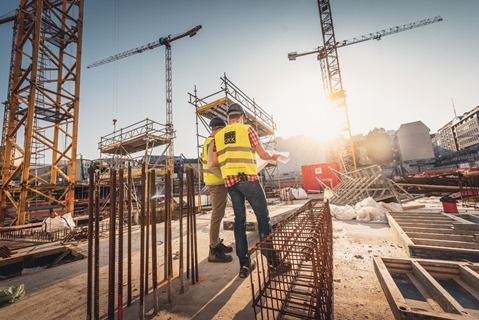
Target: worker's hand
x=274, y=156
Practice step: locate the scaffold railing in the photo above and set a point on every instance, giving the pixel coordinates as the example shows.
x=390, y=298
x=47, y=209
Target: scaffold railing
x=134, y=138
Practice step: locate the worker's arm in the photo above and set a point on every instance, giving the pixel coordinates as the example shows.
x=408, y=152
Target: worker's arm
x=263, y=154
x=258, y=147
x=213, y=164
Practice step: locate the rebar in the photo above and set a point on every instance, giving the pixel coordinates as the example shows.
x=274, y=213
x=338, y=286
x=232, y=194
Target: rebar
x=120, y=242
x=147, y=231
x=89, y=303
x=112, y=243
x=154, y=256
x=96, y=294
x=168, y=248
x=141, y=314
x=181, y=203
x=130, y=222
x=298, y=283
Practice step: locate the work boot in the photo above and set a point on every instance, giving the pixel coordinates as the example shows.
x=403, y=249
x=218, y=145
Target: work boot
x=278, y=267
x=246, y=268
x=217, y=255
x=224, y=248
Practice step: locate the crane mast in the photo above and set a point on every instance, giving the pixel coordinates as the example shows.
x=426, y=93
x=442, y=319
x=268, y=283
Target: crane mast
x=331, y=74
x=42, y=107
x=164, y=41
x=333, y=84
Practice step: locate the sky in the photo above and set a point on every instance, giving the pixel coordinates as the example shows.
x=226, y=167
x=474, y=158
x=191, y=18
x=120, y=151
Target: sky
x=415, y=75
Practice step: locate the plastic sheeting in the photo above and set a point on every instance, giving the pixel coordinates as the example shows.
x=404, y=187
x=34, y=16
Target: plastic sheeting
x=58, y=223
x=10, y=294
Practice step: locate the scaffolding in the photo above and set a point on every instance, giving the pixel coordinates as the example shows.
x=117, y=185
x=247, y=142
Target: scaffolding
x=124, y=146
x=216, y=105
x=41, y=112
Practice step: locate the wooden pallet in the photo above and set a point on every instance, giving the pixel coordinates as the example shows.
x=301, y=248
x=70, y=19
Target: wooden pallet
x=436, y=235
x=429, y=289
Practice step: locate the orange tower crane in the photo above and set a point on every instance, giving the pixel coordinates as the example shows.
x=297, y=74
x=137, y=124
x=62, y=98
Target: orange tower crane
x=331, y=74
x=41, y=110
x=164, y=41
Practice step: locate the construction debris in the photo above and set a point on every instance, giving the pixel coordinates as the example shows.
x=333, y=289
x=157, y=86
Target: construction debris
x=358, y=185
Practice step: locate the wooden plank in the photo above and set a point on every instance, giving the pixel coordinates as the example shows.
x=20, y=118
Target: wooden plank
x=469, y=276
x=400, y=234
x=441, y=296
x=465, y=226
x=391, y=291
x=438, y=231
x=444, y=253
x=431, y=303
x=438, y=236
x=446, y=243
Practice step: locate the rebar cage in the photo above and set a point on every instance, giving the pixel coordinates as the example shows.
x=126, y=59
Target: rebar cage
x=305, y=289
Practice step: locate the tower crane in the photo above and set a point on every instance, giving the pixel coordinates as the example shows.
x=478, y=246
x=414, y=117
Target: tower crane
x=331, y=73
x=164, y=41
x=42, y=107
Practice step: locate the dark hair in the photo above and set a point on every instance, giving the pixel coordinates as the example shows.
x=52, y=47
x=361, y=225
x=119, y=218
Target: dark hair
x=235, y=116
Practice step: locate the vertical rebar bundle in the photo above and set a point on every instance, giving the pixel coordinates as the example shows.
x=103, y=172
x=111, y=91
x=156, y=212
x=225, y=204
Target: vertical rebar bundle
x=121, y=190
x=305, y=289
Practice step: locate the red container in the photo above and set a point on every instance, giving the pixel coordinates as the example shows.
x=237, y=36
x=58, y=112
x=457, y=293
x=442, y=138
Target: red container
x=322, y=171
x=449, y=207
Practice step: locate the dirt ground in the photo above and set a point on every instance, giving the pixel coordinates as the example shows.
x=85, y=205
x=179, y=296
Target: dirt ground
x=60, y=292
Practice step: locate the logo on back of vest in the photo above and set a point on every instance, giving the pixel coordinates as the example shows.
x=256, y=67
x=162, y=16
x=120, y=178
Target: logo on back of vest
x=230, y=137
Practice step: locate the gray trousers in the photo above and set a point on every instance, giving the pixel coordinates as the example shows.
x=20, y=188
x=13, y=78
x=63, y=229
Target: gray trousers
x=218, y=196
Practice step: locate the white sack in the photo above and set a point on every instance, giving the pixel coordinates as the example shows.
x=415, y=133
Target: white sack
x=58, y=223
x=391, y=207
x=371, y=214
x=299, y=193
x=342, y=212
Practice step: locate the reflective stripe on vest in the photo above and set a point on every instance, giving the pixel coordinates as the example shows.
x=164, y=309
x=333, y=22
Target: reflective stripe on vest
x=208, y=176
x=234, y=150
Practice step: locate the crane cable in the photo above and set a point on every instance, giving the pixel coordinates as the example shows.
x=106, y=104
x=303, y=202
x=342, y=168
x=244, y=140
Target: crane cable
x=116, y=40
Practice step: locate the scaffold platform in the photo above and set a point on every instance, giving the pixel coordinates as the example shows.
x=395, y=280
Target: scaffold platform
x=137, y=137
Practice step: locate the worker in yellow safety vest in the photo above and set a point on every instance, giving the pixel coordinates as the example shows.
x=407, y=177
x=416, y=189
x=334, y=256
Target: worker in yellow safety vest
x=218, y=195
x=236, y=147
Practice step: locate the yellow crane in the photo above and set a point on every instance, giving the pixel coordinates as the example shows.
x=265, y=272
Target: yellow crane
x=41, y=110
x=331, y=74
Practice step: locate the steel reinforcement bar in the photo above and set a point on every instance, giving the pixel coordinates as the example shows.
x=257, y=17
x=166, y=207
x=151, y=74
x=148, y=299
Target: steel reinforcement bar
x=300, y=283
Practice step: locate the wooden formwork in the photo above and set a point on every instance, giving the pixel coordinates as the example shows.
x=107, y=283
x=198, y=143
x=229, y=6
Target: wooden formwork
x=436, y=235
x=429, y=289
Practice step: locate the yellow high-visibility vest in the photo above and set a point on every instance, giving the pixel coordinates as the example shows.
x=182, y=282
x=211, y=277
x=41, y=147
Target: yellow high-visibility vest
x=208, y=176
x=235, y=153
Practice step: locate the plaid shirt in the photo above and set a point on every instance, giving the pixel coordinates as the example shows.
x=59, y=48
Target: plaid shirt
x=254, y=140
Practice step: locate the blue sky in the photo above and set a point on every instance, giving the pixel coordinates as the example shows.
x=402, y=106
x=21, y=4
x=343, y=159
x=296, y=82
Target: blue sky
x=406, y=77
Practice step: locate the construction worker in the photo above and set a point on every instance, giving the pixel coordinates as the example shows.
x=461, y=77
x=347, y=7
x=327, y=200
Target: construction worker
x=218, y=195
x=236, y=148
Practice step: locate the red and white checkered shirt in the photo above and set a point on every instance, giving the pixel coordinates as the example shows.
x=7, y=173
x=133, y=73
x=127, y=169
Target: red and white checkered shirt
x=254, y=140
